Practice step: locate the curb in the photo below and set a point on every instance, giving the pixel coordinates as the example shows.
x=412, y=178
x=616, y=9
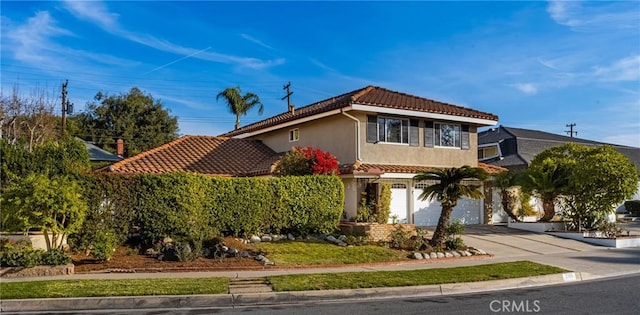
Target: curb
x=252, y=299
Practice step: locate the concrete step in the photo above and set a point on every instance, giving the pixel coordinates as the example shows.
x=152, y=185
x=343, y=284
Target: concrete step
x=249, y=285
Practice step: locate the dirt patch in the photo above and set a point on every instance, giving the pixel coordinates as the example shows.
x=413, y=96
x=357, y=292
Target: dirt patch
x=126, y=259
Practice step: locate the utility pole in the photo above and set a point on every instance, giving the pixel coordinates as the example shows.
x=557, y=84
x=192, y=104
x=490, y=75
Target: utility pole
x=288, y=96
x=67, y=107
x=570, y=132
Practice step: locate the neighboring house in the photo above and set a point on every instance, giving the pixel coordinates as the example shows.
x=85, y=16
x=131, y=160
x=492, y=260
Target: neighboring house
x=378, y=135
x=514, y=148
x=96, y=154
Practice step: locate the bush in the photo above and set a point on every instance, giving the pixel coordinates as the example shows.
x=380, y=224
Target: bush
x=196, y=208
x=633, y=207
x=455, y=244
x=453, y=232
x=610, y=229
x=384, y=204
x=55, y=257
x=19, y=254
x=103, y=246
x=400, y=239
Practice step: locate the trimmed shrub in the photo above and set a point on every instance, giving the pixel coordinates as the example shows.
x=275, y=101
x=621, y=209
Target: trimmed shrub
x=55, y=257
x=197, y=208
x=633, y=207
x=103, y=246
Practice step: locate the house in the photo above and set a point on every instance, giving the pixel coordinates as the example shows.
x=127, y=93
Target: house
x=383, y=136
x=514, y=148
x=378, y=135
x=96, y=154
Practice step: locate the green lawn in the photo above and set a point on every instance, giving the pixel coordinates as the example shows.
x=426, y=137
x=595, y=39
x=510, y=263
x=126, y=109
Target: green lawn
x=328, y=281
x=355, y=280
x=121, y=287
x=323, y=253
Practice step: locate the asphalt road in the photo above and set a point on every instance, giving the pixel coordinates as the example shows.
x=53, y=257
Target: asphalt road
x=609, y=296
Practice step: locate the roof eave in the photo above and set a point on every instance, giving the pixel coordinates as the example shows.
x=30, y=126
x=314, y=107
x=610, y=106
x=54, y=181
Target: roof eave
x=414, y=113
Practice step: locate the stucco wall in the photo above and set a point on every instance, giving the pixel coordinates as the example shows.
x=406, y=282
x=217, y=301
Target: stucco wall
x=335, y=134
x=403, y=154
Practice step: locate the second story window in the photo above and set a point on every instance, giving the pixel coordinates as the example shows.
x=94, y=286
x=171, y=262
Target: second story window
x=393, y=130
x=294, y=135
x=447, y=135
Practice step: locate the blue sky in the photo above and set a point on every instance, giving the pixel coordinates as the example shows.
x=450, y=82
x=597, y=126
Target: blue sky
x=538, y=65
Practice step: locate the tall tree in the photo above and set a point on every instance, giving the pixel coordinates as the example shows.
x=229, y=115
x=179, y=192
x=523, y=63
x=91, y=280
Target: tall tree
x=139, y=119
x=448, y=191
x=28, y=119
x=594, y=179
x=240, y=104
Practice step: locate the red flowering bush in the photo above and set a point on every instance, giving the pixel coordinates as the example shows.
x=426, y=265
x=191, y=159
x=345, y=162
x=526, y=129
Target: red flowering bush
x=307, y=161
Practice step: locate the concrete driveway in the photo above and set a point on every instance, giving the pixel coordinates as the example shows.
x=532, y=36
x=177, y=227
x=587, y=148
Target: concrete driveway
x=505, y=242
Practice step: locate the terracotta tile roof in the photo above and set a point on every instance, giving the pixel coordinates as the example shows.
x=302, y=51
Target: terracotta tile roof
x=378, y=169
x=370, y=95
x=217, y=156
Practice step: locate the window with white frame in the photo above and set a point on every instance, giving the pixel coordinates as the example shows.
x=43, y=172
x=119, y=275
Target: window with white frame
x=294, y=135
x=489, y=152
x=394, y=130
x=447, y=135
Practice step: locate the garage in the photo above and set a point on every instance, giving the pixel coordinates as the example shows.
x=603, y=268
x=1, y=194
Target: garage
x=468, y=211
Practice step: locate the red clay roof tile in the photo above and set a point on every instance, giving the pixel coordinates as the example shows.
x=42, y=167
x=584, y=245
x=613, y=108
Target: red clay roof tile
x=370, y=95
x=218, y=156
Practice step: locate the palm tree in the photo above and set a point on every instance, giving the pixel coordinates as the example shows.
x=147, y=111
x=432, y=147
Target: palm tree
x=240, y=104
x=448, y=191
x=548, y=182
x=509, y=192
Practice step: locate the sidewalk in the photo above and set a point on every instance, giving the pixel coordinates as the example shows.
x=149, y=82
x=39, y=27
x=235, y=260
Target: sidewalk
x=586, y=261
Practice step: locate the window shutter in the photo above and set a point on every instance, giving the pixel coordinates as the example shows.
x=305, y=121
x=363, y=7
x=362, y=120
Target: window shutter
x=372, y=129
x=464, y=141
x=413, y=133
x=428, y=134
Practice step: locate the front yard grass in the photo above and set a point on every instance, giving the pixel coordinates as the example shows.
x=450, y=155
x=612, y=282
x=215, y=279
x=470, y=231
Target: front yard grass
x=322, y=253
x=302, y=282
x=356, y=280
x=120, y=287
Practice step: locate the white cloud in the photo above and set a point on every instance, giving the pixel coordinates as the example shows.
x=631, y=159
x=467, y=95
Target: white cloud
x=594, y=16
x=526, y=88
x=626, y=69
x=256, y=41
x=31, y=41
x=96, y=12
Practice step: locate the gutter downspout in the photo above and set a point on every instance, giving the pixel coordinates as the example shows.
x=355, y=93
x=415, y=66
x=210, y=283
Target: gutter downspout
x=357, y=133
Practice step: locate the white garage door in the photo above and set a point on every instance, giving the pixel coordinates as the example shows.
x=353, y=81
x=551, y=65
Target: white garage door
x=468, y=211
x=399, y=203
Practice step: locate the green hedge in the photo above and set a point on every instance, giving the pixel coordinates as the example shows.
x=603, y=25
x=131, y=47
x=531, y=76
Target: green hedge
x=633, y=207
x=196, y=207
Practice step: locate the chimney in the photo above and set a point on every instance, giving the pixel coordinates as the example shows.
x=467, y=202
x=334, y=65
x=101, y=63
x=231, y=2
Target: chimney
x=292, y=109
x=120, y=147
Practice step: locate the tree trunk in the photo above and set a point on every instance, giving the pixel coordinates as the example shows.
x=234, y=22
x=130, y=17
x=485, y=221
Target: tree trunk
x=549, y=210
x=438, y=236
x=237, y=121
x=508, y=200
